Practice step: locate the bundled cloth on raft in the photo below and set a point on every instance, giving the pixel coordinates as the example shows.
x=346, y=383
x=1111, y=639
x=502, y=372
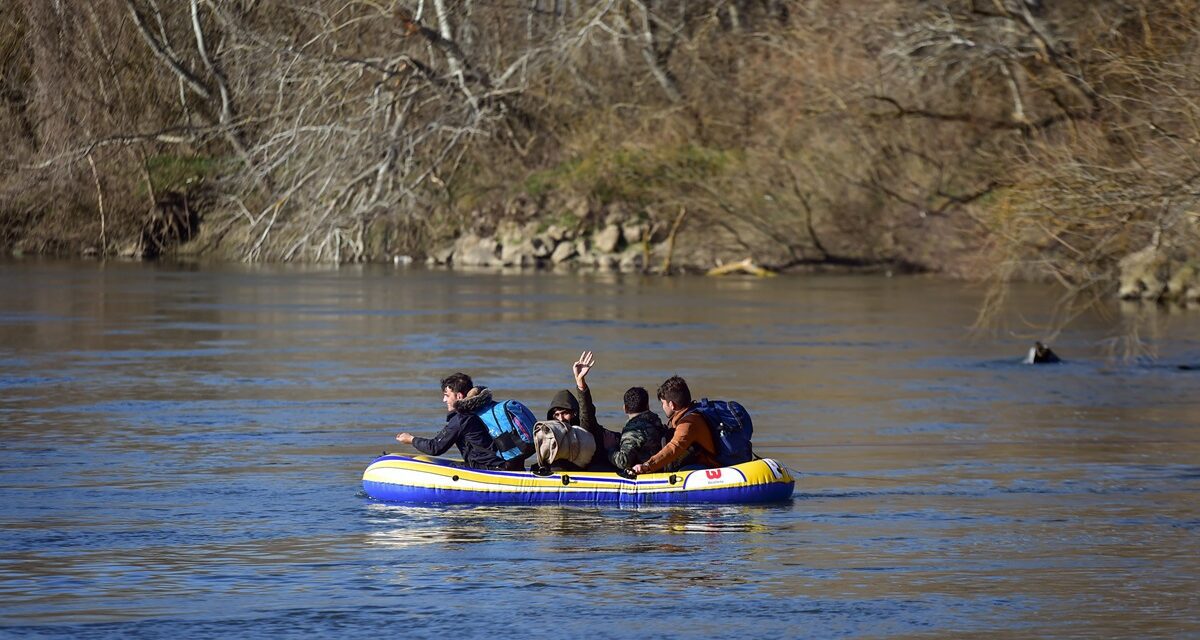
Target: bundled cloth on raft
x=429, y=480
x=555, y=440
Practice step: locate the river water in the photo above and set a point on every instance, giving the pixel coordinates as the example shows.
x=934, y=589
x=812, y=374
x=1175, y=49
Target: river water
x=181, y=451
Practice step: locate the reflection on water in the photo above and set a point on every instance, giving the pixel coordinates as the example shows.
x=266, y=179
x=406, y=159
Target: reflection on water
x=181, y=453
x=570, y=528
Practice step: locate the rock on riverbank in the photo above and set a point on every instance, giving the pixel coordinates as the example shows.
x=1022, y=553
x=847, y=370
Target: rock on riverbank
x=1160, y=273
x=621, y=242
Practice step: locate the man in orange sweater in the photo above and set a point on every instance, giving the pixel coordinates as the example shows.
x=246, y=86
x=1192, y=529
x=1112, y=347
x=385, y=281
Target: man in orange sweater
x=692, y=441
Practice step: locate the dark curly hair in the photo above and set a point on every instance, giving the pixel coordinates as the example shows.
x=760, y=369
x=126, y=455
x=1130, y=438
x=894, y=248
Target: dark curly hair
x=637, y=400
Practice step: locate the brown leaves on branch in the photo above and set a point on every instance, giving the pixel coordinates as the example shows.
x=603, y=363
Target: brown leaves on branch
x=1055, y=137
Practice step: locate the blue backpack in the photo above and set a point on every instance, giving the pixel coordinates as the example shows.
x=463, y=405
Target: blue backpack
x=511, y=425
x=731, y=430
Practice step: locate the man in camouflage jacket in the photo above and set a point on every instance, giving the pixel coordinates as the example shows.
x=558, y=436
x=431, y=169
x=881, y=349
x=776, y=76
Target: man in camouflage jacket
x=643, y=433
x=640, y=439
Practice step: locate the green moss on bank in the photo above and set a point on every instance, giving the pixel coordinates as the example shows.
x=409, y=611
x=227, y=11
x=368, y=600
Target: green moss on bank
x=633, y=175
x=174, y=172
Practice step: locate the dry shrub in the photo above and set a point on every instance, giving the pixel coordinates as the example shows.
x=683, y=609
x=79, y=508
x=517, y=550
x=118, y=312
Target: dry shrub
x=78, y=143
x=1056, y=136
x=1094, y=190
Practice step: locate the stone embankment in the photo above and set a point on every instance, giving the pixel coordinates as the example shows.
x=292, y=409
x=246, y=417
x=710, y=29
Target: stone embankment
x=618, y=244
x=1160, y=273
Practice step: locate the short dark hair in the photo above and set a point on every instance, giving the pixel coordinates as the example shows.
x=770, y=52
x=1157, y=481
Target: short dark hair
x=458, y=383
x=675, y=389
x=637, y=400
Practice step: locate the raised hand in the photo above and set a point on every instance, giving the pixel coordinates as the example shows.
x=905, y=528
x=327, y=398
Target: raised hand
x=581, y=368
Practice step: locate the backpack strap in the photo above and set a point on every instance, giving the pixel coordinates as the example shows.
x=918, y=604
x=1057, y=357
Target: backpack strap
x=712, y=430
x=694, y=408
x=509, y=439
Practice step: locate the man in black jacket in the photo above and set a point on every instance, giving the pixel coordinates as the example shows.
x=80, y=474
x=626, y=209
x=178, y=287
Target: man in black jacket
x=463, y=428
x=564, y=408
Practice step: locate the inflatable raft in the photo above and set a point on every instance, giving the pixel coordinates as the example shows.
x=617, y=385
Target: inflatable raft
x=424, y=479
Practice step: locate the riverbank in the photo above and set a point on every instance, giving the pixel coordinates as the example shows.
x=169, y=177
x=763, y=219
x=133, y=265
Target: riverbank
x=1025, y=141
x=620, y=239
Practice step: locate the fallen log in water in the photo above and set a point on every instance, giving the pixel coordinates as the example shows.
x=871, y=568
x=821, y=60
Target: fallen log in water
x=743, y=266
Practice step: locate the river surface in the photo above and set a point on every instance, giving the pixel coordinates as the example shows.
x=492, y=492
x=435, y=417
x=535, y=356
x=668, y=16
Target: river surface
x=181, y=451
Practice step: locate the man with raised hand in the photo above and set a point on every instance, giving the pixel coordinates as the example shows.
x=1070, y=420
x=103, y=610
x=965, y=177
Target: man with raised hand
x=605, y=440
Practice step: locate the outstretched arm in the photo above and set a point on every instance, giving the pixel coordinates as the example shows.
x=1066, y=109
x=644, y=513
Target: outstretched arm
x=632, y=440
x=582, y=367
x=587, y=408
x=676, y=449
x=438, y=444
x=587, y=415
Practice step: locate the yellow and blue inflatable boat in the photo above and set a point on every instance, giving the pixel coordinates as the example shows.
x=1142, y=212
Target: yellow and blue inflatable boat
x=425, y=479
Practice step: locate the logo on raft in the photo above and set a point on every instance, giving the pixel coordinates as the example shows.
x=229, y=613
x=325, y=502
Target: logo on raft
x=708, y=478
